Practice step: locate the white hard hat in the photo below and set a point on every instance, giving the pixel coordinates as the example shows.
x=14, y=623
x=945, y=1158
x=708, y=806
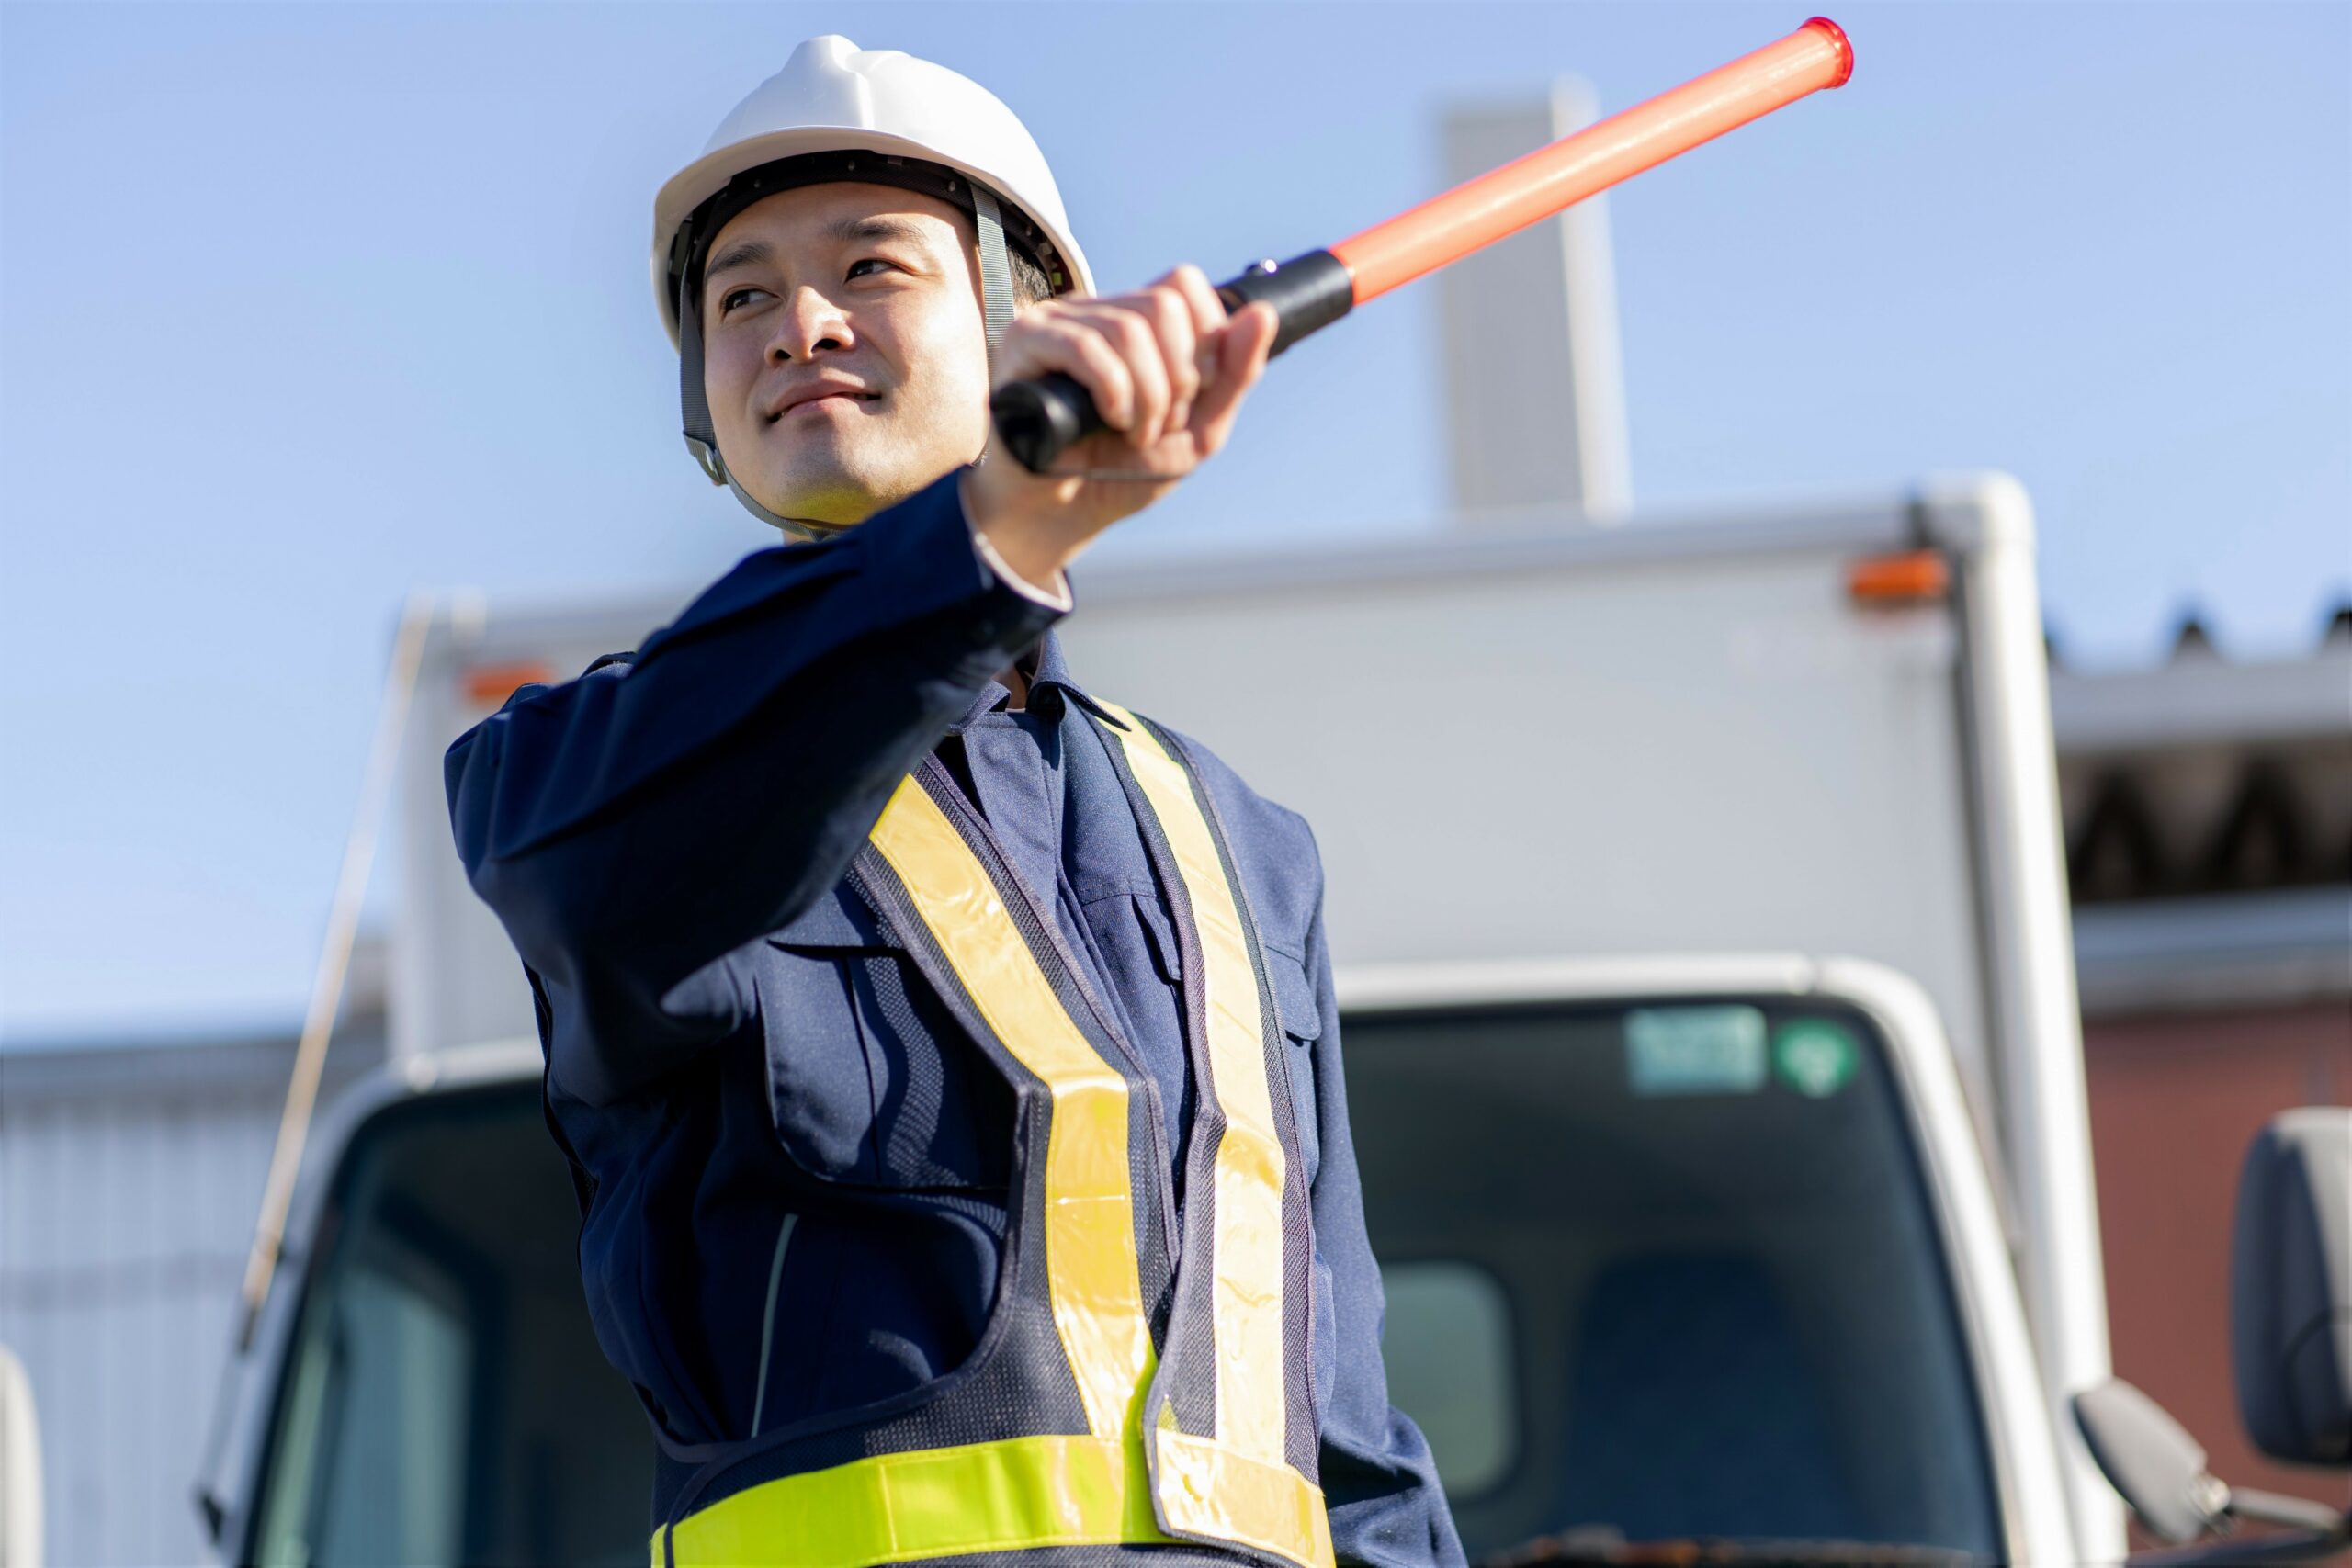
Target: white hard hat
x=875, y=114
x=832, y=97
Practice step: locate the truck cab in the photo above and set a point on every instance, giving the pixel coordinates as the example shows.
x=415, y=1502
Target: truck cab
x=1674, y=1250
x=1677, y=1244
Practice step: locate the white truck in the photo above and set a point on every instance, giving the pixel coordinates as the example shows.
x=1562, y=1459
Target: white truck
x=1696, y=889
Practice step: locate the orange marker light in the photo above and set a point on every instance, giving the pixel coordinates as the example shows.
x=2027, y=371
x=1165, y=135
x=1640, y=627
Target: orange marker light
x=1915, y=577
x=488, y=685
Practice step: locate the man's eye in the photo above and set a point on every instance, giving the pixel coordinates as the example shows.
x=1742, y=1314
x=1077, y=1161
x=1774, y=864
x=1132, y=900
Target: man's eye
x=865, y=261
x=734, y=297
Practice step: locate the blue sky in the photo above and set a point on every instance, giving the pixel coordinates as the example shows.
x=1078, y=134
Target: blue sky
x=302, y=305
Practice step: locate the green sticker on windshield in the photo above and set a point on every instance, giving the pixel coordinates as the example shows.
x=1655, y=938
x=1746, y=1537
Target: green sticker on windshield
x=1815, y=1057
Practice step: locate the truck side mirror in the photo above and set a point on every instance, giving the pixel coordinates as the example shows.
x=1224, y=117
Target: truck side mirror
x=2290, y=1331
x=2152, y=1460
x=2160, y=1471
x=2290, y=1287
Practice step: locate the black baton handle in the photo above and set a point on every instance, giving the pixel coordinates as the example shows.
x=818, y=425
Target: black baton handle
x=1039, y=419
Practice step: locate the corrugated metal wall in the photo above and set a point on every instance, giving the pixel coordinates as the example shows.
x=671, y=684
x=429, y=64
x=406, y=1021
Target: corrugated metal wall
x=130, y=1179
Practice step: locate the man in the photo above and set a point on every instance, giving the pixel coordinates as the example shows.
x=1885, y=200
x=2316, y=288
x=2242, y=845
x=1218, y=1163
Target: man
x=946, y=1058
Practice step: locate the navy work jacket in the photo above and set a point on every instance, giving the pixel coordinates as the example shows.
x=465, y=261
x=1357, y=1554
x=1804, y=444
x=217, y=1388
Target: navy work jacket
x=793, y=1165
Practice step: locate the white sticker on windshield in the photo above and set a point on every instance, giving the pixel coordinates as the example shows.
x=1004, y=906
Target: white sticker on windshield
x=1696, y=1050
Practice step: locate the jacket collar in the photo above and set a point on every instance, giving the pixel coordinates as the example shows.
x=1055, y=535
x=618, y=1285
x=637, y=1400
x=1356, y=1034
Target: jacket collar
x=1048, y=672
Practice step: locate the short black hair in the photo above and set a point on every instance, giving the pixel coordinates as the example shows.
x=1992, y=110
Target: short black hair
x=1029, y=285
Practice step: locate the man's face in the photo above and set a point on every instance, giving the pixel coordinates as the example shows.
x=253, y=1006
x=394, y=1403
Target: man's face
x=844, y=351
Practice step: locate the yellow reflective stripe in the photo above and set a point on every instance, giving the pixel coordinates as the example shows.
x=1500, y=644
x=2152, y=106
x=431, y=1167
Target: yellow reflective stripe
x=1239, y=1484
x=1002, y=1496
x=1250, y=1388
x=1090, y=1261
x=1210, y=1490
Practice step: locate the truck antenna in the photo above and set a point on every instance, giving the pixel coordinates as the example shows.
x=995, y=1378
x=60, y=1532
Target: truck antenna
x=335, y=961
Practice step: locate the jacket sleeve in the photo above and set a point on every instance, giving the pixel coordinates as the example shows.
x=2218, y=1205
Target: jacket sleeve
x=636, y=828
x=1379, y=1480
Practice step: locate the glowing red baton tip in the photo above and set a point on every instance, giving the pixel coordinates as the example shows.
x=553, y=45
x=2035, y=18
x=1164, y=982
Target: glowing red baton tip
x=1845, y=47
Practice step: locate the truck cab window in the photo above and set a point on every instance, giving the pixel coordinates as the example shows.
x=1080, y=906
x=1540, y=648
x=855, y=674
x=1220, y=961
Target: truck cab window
x=1451, y=1363
x=444, y=1401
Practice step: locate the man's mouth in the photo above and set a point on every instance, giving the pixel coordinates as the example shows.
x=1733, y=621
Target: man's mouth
x=821, y=401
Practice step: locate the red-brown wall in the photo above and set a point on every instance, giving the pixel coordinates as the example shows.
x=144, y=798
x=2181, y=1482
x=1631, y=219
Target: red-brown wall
x=2175, y=1098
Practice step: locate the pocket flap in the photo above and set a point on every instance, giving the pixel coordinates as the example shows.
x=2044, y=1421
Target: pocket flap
x=1160, y=932
x=1293, y=995
x=839, y=922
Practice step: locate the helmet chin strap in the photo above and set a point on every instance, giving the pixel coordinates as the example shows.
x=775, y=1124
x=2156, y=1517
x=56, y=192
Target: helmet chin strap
x=996, y=272
x=702, y=439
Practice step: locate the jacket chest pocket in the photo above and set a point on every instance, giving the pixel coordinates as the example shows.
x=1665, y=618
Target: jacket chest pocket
x=871, y=1080
x=1137, y=943
x=1302, y=1022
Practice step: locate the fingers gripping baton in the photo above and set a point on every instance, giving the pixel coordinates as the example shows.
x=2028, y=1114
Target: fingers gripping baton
x=1038, y=419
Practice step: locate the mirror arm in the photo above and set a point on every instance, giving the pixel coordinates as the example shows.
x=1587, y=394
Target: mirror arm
x=2319, y=1532
x=2301, y=1547
x=2297, y=1513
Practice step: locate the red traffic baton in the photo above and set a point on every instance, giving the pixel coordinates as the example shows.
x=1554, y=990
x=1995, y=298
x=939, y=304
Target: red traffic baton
x=1039, y=419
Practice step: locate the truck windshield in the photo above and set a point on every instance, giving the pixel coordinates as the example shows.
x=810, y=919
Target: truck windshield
x=1663, y=1271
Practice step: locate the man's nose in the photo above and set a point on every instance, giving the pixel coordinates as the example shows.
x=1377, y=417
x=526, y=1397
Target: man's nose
x=809, y=323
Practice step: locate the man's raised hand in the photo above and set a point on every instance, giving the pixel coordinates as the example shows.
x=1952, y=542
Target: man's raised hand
x=1167, y=368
